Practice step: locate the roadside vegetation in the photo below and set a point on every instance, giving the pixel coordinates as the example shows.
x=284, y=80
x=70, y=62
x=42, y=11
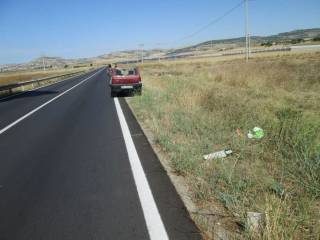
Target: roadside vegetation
x=197, y=107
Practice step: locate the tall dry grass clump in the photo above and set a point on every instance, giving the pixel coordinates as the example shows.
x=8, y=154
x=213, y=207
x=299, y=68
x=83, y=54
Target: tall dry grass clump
x=194, y=108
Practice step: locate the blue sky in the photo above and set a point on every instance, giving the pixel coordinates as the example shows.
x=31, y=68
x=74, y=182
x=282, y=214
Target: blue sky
x=73, y=29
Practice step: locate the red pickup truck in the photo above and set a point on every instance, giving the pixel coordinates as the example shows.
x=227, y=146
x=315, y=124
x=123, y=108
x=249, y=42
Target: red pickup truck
x=125, y=80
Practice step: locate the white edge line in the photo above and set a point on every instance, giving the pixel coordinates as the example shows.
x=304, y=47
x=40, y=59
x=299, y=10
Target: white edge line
x=151, y=214
x=34, y=89
x=43, y=105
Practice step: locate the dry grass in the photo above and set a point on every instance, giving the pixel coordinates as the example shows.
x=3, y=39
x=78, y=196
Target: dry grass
x=195, y=107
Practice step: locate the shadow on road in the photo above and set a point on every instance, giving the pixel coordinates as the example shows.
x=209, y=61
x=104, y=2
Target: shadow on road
x=126, y=94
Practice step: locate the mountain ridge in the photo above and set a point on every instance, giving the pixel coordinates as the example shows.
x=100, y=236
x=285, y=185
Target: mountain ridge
x=215, y=44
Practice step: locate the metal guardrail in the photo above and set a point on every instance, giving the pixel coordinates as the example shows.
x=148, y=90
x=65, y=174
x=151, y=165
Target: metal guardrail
x=20, y=84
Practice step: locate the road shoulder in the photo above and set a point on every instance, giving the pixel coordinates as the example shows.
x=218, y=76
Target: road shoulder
x=172, y=209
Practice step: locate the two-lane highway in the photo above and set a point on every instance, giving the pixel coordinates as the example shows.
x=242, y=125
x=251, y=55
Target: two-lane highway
x=68, y=171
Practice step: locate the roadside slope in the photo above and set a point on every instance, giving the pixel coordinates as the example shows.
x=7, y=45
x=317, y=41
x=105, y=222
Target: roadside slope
x=194, y=108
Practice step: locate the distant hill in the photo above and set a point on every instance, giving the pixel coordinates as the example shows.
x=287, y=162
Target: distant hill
x=58, y=61
x=284, y=38
x=48, y=62
x=132, y=53
x=304, y=33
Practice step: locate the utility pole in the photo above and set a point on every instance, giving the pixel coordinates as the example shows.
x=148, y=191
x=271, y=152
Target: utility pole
x=141, y=45
x=43, y=64
x=249, y=43
x=247, y=30
x=159, y=56
x=142, y=54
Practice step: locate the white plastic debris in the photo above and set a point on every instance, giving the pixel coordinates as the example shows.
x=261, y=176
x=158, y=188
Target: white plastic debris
x=220, y=154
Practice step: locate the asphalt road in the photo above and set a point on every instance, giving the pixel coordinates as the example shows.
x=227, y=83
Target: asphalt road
x=66, y=171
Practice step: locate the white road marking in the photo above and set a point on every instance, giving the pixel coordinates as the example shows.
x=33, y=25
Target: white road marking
x=45, y=104
x=151, y=214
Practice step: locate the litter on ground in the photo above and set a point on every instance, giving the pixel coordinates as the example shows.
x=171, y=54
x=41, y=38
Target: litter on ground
x=219, y=154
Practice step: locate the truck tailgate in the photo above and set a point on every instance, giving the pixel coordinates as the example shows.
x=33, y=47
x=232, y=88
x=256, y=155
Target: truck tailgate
x=125, y=79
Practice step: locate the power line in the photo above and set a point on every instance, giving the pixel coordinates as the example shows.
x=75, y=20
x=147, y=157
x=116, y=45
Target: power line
x=214, y=21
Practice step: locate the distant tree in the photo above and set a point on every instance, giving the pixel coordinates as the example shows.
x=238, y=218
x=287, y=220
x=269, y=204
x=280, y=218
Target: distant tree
x=65, y=66
x=316, y=39
x=266, y=44
x=298, y=40
x=91, y=64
